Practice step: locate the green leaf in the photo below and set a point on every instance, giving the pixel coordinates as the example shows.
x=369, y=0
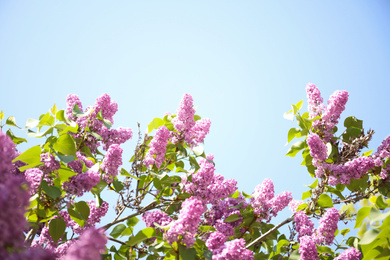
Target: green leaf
x=345, y=231
x=186, y=253
x=295, y=148
x=156, y=123
x=295, y=255
x=64, y=174
x=78, y=113
x=353, y=122
x=361, y=215
x=198, y=151
x=131, y=222
x=1, y=115
x=11, y=121
x=15, y=139
x=118, y=185
x=381, y=203
x=299, y=104
x=65, y=144
x=57, y=228
x=292, y=133
x=31, y=123
x=289, y=115
x=369, y=236
x=53, y=110
x=30, y=156
x=76, y=217
x=66, y=158
x=232, y=218
x=351, y=132
x=117, y=231
x=306, y=194
x=82, y=208
x=325, y=201
x=51, y=191
x=194, y=163
x=125, y=173
x=142, y=235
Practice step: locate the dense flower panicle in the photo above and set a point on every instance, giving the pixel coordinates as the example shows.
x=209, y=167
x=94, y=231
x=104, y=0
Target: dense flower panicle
x=318, y=149
x=159, y=217
x=7, y=154
x=383, y=150
x=336, y=105
x=158, y=146
x=111, y=162
x=184, y=120
x=82, y=182
x=50, y=164
x=307, y=248
x=33, y=177
x=207, y=185
x=280, y=201
x=261, y=197
x=77, y=166
x=72, y=100
x=215, y=240
x=33, y=253
x=107, y=106
x=199, y=131
x=350, y=254
x=328, y=225
x=233, y=250
x=314, y=99
x=14, y=199
x=225, y=228
x=116, y=136
x=187, y=223
x=90, y=246
x=303, y=225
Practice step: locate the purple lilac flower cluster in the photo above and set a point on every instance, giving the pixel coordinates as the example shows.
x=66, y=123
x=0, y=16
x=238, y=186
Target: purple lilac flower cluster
x=14, y=199
x=233, y=250
x=158, y=146
x=309, y=237
x=88, y=247
x=314, y=99
x=318, y=149
x=50, y=164
x=159, y=217
x=330, y=114
x=207, y=185
x=383, y=153
x=350, y=254
x=265, y=204
x=192, y=132
x=77, y=165
x=108, y=108
x=82, y=182
x=187, y=223
x=218, y=213
x=307, y=248
x=111, y=162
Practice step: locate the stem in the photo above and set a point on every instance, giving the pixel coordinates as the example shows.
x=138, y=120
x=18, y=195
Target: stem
x=130, y=216
x=261, y=238
x=118, y=241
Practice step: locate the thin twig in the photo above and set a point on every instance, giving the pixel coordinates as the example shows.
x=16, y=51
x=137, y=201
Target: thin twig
x=261, y=238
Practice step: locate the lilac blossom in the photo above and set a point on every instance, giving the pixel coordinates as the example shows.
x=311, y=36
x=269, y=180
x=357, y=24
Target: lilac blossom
x=328, y=225
x=33, y=253
x=350, y=254
x=77, y=165
x=116, y=136
x=280, y=201
x=187, y=223
x=82, y=182
x=303, y=225
x=89, y=246
x=158, y=146
x=33, y=177
x=294, y=204
x=7, y=154
x=192, y=132
x=383, y=150
x=215, y=240
x=159, y=217
x=261, y=198
x=314, y=99
x=207, y=185
x=111, y=162
x=72, y=100
x=318, y=149
x=233, y=250
x=307, y=248
x=49, y=163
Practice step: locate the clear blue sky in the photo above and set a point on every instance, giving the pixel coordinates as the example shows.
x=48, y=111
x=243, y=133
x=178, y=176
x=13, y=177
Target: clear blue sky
x=244, y=63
